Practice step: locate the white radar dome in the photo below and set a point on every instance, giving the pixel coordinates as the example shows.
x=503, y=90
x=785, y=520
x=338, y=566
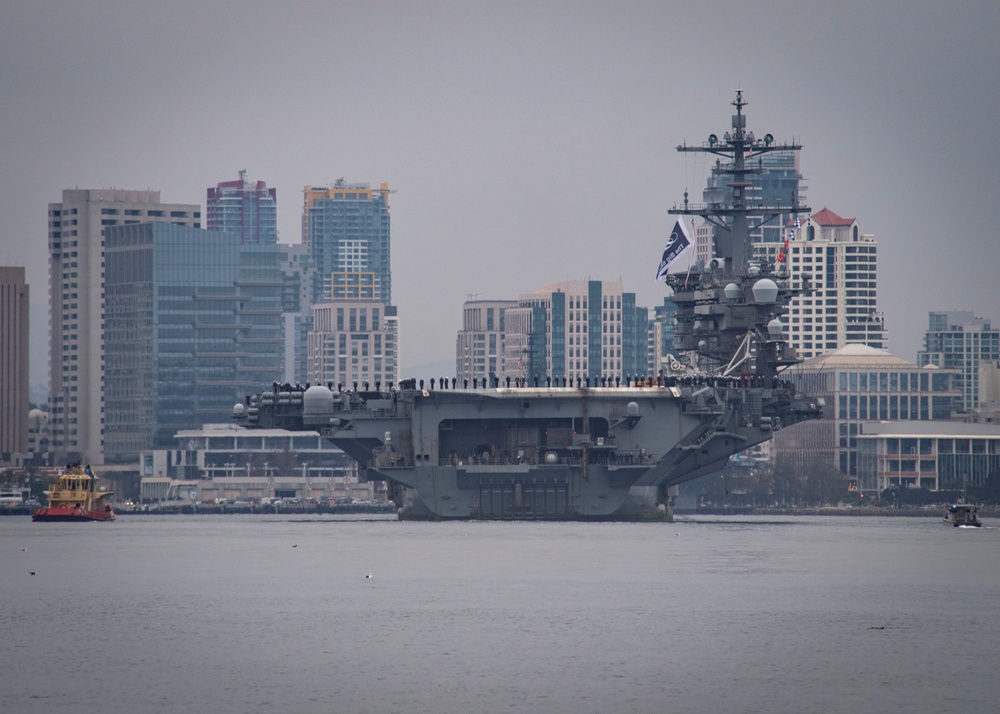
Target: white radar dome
x=317, y=402
x=765, y=291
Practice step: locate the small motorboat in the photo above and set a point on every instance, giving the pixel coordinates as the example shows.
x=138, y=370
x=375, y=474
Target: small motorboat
x=962, y=515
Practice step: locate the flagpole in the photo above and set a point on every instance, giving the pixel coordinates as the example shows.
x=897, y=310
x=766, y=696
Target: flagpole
x=690, y=266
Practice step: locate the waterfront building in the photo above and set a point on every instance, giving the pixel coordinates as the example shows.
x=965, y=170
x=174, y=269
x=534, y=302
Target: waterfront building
x=480, y=350
x=76, y=308
x=592, y=329
x=192, y=325
x=841, y=264
x=960, y=340
x=14, y=363
x=225, y=461
x=244, y=208
x=244, y=490
x=858, y=384
x=930, y=455
x=353, y=342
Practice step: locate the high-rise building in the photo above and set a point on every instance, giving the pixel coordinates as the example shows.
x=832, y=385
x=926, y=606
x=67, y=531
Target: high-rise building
x=592, y=329
x=661, y=336
x=989, y=393
x=192, y=326
x=347, y=230
x=777, y=182
x=523, y=343
x=353, y=342
x=479, y=351
x=14, y=363
x=842, y=307
x=577, y=330
x=704, y=248
x=297, y=276
x=76, y=309
x=354, y=332
x=960, y=340
x=246, y=209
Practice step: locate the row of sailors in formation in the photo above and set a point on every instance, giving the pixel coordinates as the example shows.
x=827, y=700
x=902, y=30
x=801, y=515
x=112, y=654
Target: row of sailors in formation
x=659, y=380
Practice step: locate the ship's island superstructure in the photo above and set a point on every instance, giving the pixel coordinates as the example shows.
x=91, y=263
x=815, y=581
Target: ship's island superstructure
x=607, y=448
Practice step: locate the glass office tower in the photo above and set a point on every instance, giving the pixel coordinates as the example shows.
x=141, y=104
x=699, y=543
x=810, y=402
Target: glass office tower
x=192, y=325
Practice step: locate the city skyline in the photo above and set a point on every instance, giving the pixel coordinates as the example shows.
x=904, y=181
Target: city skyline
x=522, y=156
x=76, y=226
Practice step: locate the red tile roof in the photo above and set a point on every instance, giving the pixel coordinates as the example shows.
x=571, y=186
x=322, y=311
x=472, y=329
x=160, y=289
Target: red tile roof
x=826, y=217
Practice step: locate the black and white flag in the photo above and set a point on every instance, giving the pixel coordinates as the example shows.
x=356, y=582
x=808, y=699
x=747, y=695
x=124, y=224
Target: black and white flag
x=678, y=241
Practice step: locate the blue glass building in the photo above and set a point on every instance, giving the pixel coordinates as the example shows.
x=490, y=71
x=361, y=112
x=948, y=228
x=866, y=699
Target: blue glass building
x=298, y=276
x=778, y=183
x=661, y=328
x=347, y=230
x=192, y=325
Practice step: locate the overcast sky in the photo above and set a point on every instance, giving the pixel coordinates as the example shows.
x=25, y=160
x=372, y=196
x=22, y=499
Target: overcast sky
x=528, y=143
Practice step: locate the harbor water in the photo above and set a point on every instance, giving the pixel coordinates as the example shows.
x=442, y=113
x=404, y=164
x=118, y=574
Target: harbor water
x=708, y=614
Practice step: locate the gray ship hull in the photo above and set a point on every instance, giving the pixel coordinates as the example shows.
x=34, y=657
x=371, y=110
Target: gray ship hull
x=536, y=453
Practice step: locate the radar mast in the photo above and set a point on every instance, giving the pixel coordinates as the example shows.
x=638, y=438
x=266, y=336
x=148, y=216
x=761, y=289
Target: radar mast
x=729, y=312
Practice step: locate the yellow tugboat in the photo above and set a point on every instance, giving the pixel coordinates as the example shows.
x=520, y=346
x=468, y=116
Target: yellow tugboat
x=76, y=497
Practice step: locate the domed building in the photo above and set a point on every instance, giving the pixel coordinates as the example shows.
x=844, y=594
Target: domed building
x=38, y=431
x=860, y=384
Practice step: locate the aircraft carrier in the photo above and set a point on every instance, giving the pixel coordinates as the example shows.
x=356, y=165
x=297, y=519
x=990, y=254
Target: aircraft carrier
x=602, y=449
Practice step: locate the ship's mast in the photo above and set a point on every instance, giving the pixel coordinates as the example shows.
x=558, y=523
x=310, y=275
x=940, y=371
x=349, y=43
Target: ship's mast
x=724, y=313
x=733, y=222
